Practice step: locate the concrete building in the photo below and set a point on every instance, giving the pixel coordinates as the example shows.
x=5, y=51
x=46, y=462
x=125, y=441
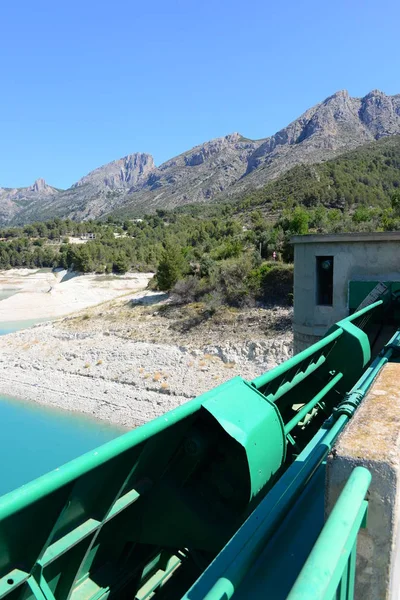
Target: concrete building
x=324, y=266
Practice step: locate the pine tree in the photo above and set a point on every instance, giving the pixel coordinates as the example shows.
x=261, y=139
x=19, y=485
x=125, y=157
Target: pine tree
x=121, y=264
x=171, y=266
x=395, y=202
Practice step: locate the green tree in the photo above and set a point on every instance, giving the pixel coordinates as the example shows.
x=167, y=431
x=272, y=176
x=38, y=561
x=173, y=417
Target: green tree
x=171, y=266
x=299, y=222
x=121, y=264
x=395, y=202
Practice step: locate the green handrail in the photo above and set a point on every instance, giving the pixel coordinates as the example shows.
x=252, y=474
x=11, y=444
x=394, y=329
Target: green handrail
x=224, y=576
x=308, y=361
x=364, y=310
x=330, y=567
x=262, y=380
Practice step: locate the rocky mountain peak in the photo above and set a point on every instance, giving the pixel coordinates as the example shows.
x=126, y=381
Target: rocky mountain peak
x=122, y=173
x=375, y=94
x=234, y=137
x=39, y=186
x=217, y=169
x=37, y=190
x=380, y=113
x=339, y=95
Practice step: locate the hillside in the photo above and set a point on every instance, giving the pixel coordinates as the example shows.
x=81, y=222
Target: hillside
x=224, y=168
x=366, y=177
x=13, y=201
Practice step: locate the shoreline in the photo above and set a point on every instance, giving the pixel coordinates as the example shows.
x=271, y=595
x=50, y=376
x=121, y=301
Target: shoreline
x=99, y=395
x=124, y=363
x=44, y=295
x=123, y=410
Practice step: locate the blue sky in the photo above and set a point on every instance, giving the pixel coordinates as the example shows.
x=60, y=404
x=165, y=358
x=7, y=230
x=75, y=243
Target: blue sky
x=83, y=83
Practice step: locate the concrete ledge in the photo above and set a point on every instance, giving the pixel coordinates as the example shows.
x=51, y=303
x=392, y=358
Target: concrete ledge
x=318, y=330
x=377, y=236
x=301, y=341
x=372, y=439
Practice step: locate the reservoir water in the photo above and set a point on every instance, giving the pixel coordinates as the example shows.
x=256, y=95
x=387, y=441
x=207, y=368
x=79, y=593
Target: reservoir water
x=36, y=439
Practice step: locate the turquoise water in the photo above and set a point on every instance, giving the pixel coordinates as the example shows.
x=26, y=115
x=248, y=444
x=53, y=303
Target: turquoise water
x=36, y=439
x=11, y=326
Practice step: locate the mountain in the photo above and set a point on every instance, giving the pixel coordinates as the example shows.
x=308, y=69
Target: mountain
x=195, y=176
x=119, y=174
x=15, y=200
x=90, y=197
x=364, y=178
x=225, y=167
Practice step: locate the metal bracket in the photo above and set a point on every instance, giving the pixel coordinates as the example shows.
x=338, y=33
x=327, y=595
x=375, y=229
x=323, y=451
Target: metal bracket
x=393, y=346
x=349, y=404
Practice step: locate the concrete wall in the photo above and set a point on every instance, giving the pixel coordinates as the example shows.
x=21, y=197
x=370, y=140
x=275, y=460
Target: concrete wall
x=373, y=256
x=372, y=440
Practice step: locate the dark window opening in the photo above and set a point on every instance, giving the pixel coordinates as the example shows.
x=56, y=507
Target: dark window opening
x=325, y=280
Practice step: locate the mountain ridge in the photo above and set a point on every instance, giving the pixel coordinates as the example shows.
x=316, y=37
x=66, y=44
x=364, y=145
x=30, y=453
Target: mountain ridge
x=222, y=168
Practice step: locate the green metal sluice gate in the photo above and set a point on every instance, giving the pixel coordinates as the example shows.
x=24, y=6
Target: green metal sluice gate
x=187, y=505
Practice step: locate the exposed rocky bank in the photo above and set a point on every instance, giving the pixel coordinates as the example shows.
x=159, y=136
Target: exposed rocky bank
x=128, y=361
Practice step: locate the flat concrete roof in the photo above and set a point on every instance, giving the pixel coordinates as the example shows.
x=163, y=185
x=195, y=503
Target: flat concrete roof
x=376, y=236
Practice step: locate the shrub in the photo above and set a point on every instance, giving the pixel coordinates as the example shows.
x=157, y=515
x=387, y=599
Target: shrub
x=277, y=284
x=228, y=249
x=206, y=266
x=121, y=265
x=185, y=290
x=231, y=280
x=191, y=289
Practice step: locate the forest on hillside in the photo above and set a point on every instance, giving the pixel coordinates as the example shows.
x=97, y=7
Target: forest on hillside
x=365, y=177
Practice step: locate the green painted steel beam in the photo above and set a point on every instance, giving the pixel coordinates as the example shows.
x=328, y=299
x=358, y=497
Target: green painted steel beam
x=71, y=471
x=226, y=573
x=111, y=521
x=363, y=311
x=301, y=376
x=313, y=402
x=328, y=562
x=262, y=380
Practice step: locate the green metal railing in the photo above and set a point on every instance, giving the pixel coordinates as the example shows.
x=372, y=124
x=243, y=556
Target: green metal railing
x=312, y=403
x=277, y=382
x=120, y=517
x=283, y=378
x=329, y=572
x=227, y=572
